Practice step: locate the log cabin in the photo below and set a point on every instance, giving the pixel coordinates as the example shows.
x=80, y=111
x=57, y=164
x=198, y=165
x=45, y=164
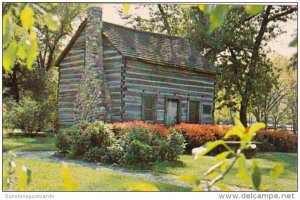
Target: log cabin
x=113, y=73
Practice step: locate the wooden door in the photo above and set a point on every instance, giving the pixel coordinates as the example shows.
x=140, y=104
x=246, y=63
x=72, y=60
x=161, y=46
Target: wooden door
x=172, y=111
x=194, y=112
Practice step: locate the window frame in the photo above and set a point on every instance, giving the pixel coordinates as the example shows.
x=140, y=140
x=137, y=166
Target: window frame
x=211, y=109
x=154, y=110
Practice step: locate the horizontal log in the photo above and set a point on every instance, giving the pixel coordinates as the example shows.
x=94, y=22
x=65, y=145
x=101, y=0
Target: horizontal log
x=71, y=76
x=167, y=77
x=170, y=85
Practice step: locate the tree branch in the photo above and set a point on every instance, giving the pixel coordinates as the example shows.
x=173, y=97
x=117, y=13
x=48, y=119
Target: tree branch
x=164, y=18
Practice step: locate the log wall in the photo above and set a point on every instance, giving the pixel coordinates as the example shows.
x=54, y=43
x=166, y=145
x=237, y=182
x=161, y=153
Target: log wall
x=70, y=72
x=165, y=81
x=112, y=60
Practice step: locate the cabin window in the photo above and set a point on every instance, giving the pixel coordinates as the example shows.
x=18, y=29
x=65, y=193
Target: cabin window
x=207, y=109
x=149, y=107
x=194, y=112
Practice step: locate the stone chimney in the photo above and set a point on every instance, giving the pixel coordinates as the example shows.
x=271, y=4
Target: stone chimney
x=94, y=98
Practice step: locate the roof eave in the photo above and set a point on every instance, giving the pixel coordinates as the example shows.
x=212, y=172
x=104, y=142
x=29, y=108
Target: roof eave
x=70, y=43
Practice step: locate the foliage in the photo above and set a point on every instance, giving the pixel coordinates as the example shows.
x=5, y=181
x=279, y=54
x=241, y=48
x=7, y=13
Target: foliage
x=20, y=34
x=221, y=167
x=279, y=141
x=198, y=134
x=133, y=145
x=210, y=29
x=29, y=115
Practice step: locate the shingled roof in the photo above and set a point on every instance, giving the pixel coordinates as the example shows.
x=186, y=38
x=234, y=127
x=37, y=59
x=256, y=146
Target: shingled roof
x=152, y=47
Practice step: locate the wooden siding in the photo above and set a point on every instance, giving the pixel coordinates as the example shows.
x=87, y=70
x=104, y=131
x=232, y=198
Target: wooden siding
x=112, y=62
x=70, y=71
x=164, y=81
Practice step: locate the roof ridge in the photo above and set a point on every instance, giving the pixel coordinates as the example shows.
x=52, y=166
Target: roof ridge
x=148, y=32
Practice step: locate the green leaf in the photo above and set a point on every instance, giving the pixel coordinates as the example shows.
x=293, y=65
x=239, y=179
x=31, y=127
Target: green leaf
x=52, y=22
x=126, y=7
x=32, y=50
x=253, y=9
x=22, y=49
x=256, y=127
x=276, y=171
x=294, y=42
x=222, y=187
x=211, y=145
x=217, y=16
x=222, y=156
x=255, y=175
x=7, y=30
x=243, y=171
x=9, y=55
x=143, y=187
x=26, y=17
x=195, y=180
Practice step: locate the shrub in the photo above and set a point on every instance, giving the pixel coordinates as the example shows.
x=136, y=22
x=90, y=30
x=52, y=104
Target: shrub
x=152, y=144
x=138, y=152
x=63, y=139
x=28, y=115
x=280, y=141
x=129, y=143
x=198, y=134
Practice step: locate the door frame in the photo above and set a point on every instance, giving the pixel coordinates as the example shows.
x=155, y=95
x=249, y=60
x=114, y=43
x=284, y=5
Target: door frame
x=167, y=97
x=188, y=109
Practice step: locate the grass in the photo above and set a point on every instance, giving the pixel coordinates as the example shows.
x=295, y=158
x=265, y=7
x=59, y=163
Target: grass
x=286, y=182
x=21, y=143
x=46, y=176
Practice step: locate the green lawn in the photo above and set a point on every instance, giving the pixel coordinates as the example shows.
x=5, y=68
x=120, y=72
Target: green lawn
x=28, y=143
x=286, y=182
x=46, y=176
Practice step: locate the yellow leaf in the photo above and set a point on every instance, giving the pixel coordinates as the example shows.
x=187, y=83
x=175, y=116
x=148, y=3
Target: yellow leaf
x=234, y=131
x=239, y=125
x=26, y=17
x=223, y=187
x=143, y=187
x=243, y=171
x=197, y=189
x=7, y=30
x=9, y=56
x=256, y=127
x=126, y=7
x=202, y=7
x=52, y=22
x=68, y=184
x=190, y=179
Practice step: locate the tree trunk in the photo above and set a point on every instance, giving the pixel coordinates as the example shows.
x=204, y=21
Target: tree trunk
x=14, y=84
x=243, y=112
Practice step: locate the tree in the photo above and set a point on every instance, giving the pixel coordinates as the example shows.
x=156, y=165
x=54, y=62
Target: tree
x=49, y=37
x=231, y=37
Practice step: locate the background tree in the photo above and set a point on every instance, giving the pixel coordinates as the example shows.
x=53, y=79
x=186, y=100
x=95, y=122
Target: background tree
x=36, y=81
x=233, y=38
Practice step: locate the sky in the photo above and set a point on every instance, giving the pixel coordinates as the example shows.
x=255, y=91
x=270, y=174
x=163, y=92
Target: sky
x=280, y=45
